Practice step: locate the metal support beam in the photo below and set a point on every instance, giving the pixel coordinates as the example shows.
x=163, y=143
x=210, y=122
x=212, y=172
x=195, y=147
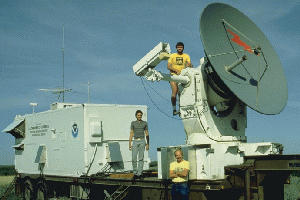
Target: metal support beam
x=247, y=185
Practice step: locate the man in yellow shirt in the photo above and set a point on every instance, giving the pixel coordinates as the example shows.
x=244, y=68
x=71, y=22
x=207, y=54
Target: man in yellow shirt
x=179, y=171
x=176, y=63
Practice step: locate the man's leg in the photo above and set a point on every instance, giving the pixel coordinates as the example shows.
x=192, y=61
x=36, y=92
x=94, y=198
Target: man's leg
x=134, y=157
x=175, y=195
x=184, y=191
x=141, y=149
x=174, y=88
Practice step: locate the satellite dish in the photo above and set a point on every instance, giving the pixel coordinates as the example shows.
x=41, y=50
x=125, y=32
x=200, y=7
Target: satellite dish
x=243, y=58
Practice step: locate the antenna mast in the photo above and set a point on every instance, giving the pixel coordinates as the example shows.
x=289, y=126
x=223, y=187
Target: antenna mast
x=89, y=91
x=63, y=63
x=61, y=90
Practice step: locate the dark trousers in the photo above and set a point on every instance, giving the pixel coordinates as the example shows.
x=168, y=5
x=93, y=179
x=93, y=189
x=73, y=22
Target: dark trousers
x=180, y=191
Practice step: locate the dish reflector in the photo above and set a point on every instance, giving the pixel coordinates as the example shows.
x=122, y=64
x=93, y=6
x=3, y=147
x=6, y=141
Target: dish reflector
x=243, y=58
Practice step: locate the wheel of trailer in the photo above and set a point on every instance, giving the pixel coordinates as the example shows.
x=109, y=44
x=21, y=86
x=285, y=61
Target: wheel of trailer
x=28, y=190
x=41, y=191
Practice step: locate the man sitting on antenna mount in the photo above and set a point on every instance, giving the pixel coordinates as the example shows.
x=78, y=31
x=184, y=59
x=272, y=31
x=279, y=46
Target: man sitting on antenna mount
x=176, y=63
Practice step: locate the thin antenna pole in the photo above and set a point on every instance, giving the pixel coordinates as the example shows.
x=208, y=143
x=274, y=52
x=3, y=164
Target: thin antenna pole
x=89, y=91
x=63, y=62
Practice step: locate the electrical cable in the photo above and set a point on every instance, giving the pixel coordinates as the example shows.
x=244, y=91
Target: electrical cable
x=205, y=131
x=95, y=151
x=149, y=85
x=86, y=175
x=155, y=105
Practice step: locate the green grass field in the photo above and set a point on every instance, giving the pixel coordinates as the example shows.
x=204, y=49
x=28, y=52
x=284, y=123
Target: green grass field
x=4, y=183
x=4, y=180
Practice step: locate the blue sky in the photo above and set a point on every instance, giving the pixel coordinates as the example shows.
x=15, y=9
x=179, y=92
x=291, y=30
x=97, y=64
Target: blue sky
x=104, y=39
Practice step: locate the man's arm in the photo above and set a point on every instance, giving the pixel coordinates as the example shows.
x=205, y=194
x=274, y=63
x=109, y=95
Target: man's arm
x=185, y=171
x=130, y=139
x=147, y=139
x=170, y=67
x=183, y=174
x=173, y=174
x=188, y=62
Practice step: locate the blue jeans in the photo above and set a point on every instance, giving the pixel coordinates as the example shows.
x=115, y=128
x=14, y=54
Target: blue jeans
x=180, y=191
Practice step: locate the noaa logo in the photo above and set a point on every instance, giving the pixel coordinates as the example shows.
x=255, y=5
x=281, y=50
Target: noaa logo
x=74, y=130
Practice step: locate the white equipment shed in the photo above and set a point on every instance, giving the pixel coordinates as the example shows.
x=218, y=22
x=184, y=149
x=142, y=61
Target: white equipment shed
x=75, y=139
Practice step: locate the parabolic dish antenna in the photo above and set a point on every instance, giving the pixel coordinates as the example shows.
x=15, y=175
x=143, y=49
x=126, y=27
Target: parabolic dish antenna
x=243, y=58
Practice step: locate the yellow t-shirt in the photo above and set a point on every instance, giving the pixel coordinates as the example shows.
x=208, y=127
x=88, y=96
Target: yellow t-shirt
x=179, y=167
x=179, y=62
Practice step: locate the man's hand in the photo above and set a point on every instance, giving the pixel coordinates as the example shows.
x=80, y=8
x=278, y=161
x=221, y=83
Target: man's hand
x=173, y=174
x=183, y=173
x=147, y=147
x=130, y=139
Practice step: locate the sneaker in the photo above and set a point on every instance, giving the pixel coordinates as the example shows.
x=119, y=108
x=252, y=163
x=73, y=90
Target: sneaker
x=175, y=112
